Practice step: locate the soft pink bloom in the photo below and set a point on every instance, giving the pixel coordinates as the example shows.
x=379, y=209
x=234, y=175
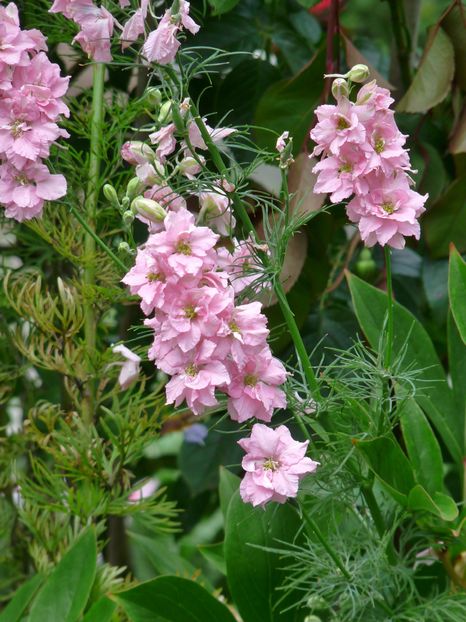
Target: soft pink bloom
x=241, y=265
x=189, y=166
x=244, y=327
x=373, y=98
x=134, y=27
x=145, y=491
x=149, y=279
x=167, y=198
x=336, y=126
x=165, y=141
x=130, y=368
x=281, y=142
x=71, y=8
x=124, y=3
x=136, y=152
x=215, y=208
x=186, y=248
x=274, y=463
x=14, y=42
x=388, y=212
x=198, y=379
x=217, y=134
x=186, y=20
x=23, y=192
x=253, y=390
x=388, y=144
x=162, y=45
x=96, y=32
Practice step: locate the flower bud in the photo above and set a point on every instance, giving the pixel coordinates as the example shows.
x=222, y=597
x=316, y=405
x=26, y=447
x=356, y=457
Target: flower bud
x=315, y=602
x=312, y=618
x=365, y=266
x=136, y=152
x=125, y=203
x=340, y=89
x=134, y=187
x=124, y=248
x=153, y=96
x=165, y=114
x=358, y=73
x=111, y=195
x=128, y=218
x=147, y=208
x=190, y=166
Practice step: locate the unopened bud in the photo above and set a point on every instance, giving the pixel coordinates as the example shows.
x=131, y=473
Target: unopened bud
x=190, y=166
x=111, y=195
x=165, y=114
x=315, y=602
x=153, y=96
x=147, y=208
x=124, y=248
x=312, y=618
x=125, y=203
x=134, y=187
x=128, y=217
x=358, y=73
x=340, y=88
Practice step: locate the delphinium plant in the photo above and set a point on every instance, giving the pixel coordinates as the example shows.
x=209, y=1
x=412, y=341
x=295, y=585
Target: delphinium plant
x=145, y=253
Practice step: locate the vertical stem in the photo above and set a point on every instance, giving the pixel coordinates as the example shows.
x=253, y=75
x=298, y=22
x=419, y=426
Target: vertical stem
x=389, y=342
x=402, y=39
x=92, y=197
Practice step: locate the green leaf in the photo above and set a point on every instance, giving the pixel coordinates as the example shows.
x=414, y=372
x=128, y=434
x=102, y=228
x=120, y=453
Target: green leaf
x=101, y=611
x=432, y=391
x=457, y=363
x=21, y=599
x=454, y=24
x=432, y=82
x=438, y=504
x=222, y=6
x=289, y=104
x=229, y=484
x=254, y=574
x=65, y=592
x=390, y=465
x=422, y=446
x=173, y=599
x=445, y=222
x=457, y=291
x=214, y=553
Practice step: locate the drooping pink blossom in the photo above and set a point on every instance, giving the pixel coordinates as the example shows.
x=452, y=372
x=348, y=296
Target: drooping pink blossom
x=165, y=141
x=274, y=463
x=216, y=211
x=129, y=372
x=135, y=26
x=162, y=45
x=136, y=152
x=96, y=25
x=281, y=142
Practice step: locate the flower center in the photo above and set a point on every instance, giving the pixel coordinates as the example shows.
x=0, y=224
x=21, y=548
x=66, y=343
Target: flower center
x=16, y=128
x=270, y=464
x=154, y=276
x=250, y=380
x=233, y=326
x=183, y=248
x=379, y=145
x=342, y=123
x=191, y=370
x=22, y=180
x=345, y=168
x=190, y=312
x=388, y=207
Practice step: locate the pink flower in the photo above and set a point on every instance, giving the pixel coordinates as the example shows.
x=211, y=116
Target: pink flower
x=388, y=144
x=136, y=152
x=388, y=212
x=281, y=142
x=336, y=126
x=253, y=390
x=24, y=191
x=215, y=208
x=186, y=248
x=245, y=327
x=241, y=265
x=162, y=45
x=186, y=20
x=198, y=379
x=14, y=41
x=134, y=27
x=165, y=140
x=217, y=134
x=145, y=491
x=274, y=463
x=167, y=198
x=130, y=368
x=96, y=31
x=373, y=98
x=148, y=278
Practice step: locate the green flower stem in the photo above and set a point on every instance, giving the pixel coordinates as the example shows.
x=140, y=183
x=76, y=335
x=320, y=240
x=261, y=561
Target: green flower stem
x=242, y=214
x=320, y=536
x=389, y=343
x=92, y=197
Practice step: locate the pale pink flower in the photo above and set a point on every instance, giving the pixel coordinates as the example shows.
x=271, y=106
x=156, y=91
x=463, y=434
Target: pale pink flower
x=197, y=381
x=244, y=327
x=96, y=25
x=373, y=98
x=167, y=198
x=274, y=463
x=388, y=144
x=130, y=368
x=216, y=211
x=186, y=20
x=186, y=248
x=71, y=8
x=15, y=43
x=135, y=26
x=136, y=152
x=388, y=212
x=165, y=141
x=162, y=45
x=124, y=3
x=149, y=279
x=23, y=192
x=253, y=390
x=145, y=491
x=241, y=265
x=189, y=166
x=336, y=126
x=217, y=134
x=281, y=142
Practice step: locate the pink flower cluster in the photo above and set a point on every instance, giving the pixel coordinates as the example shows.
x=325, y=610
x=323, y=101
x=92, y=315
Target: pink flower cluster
x=202, y=339
x=95, y=24
x=364, y=156
x=31, y=92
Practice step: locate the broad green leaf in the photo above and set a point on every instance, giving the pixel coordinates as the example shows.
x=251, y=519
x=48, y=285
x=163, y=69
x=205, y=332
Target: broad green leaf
x=457, y=364
x=101, y=611
x=390, y=465
x=214, y=553
x=23, y=596
x=432, y=391
x=229, y=484
x=65, y=592
x=422, y=446
x=454, y=24
x=445, y=222
x=457, y=291
x=438, y=504
x=254, y=574
x=222, y=6
x=172, y=599
x=432, y=82
x=289, y=104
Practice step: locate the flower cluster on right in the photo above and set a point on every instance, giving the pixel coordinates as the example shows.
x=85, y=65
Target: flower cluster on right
x=364, y=157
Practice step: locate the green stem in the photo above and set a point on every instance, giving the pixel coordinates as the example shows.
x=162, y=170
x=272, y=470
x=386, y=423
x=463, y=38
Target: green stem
x=92, y=197
x=402, y=39
x=389, y=342
x=320, y=536
x=242, y=214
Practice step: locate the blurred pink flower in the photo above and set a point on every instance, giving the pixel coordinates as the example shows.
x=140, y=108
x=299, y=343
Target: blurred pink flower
x=129, y=368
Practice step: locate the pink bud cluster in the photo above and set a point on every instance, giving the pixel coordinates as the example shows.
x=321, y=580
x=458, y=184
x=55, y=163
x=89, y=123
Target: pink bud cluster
x=364, y=157
x=202, y=338
x=95, y=26
x=31, y=92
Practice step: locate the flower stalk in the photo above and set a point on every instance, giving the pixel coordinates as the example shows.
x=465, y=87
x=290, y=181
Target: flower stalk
x=389, y=343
